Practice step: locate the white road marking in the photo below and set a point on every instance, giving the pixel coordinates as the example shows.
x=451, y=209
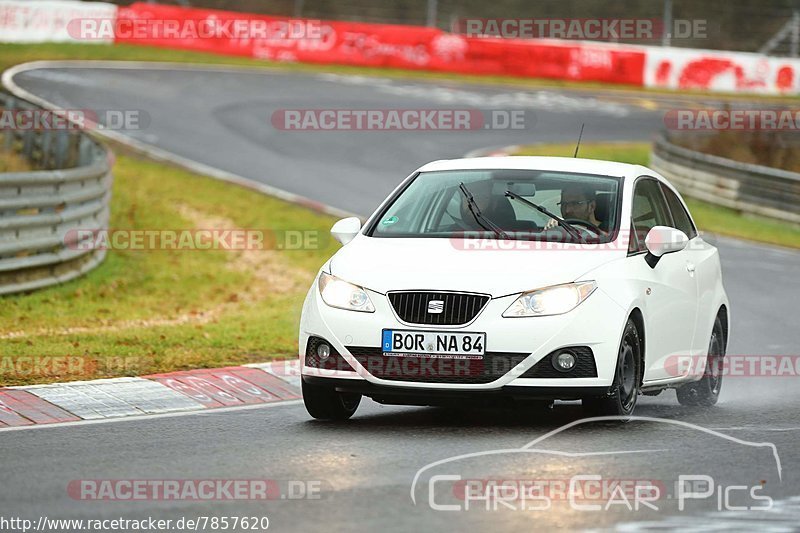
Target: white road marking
x=530, y=99
x=118, y=397
x=288, y=371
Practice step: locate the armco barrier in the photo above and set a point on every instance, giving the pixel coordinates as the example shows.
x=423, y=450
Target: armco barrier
x=745, y=187
x=39, y=208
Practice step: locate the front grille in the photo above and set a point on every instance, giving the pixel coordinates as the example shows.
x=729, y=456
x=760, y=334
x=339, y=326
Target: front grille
x=457, y=308
x=585, y=366
x=334, y=362
x=494, y=365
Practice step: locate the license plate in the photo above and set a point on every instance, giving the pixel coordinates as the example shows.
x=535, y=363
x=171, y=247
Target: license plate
x=433, y=343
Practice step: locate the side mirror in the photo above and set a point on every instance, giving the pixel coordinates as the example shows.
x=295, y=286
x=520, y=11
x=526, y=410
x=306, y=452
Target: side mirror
x=663, y=240
x=346, y=229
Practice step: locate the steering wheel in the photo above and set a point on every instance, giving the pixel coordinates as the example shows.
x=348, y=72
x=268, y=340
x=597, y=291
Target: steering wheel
x=588, y=227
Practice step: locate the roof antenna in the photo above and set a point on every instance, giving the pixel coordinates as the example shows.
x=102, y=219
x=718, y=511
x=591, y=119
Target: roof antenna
x=579, y=140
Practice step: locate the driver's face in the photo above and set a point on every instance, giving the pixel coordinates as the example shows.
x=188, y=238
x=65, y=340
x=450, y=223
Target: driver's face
x=575, y=205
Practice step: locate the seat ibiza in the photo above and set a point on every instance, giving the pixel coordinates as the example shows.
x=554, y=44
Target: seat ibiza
x=508, y=279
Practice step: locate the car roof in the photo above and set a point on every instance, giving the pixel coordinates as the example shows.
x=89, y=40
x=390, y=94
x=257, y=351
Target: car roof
x=561, y=164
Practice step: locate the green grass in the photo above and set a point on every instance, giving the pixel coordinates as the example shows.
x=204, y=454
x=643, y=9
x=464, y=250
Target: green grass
x=625, y=152
x=120, y=319
x=11, y=162
x=709, y=218
x=12, y=54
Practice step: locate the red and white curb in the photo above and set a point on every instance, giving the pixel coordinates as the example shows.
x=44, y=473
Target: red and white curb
x=157, y=394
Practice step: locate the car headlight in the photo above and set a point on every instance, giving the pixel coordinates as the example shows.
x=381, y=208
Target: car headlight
x=339, y=293
x=555, y=300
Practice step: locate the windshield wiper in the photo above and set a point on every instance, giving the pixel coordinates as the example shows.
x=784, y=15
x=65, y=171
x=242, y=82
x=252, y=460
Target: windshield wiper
x=561, y=222
x=480, y=218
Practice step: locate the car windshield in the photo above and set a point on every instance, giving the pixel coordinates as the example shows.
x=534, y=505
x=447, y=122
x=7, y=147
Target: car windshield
x=504, y=204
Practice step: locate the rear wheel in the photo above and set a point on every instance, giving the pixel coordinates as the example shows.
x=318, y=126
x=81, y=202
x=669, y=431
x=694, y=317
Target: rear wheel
x=621, y=399
x=705, y=392
x=324, y=403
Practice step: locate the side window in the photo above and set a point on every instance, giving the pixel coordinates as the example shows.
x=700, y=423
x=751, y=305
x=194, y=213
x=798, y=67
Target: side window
x=679, y=214
x=649, y=209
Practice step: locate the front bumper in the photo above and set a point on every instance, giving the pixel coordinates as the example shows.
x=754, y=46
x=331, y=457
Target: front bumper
x=504, y=396
x=597, y=323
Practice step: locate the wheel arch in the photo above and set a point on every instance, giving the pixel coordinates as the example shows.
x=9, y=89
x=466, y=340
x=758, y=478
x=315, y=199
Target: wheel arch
x=722, y=314
x=638, y=320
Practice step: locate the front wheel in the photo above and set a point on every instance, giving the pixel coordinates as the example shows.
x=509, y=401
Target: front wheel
x=705, y=392
x=621, y=399
x=324, y=403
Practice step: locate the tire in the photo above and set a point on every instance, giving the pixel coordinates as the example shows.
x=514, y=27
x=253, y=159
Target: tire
x=624, y=393
x=324, y=403
x=705, y=392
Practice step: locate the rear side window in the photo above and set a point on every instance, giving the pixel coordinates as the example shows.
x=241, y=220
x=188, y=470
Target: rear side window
x=679, y=214
x=649, y=210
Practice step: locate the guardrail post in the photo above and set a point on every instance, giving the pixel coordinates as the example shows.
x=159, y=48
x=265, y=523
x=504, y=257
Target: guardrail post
x=85, y=146
x=47, y=153
x=27, y=143
x=8, y=135
x=60, y=148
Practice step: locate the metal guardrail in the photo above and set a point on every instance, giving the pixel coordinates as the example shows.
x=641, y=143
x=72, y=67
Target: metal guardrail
x=748, y=188
x=40, y=209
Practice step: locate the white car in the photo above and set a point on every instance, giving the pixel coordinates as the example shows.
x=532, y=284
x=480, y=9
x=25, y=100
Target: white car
x=504, y=279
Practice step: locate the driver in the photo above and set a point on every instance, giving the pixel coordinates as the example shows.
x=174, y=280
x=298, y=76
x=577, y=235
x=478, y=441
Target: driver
x=578, y=202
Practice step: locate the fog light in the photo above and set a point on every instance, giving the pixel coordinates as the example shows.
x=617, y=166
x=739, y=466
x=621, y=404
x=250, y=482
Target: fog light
x=564, y=361
x=323, y=351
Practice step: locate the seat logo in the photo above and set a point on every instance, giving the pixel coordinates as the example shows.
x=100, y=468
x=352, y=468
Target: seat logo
x=436, y=307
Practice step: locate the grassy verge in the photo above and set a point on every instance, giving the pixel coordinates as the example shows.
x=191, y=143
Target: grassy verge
x=767, y=148
x=152, y=311
x=709, y=217
x=12, y=54
x=11, y=162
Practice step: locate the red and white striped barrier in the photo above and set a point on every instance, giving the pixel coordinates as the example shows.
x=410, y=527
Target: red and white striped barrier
x=395, y=46
x=708, y=70
x=42, y=21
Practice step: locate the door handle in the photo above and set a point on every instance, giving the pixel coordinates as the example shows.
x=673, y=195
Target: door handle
x=690, y=267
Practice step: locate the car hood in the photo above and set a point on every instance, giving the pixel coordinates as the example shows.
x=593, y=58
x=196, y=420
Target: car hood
x=388, y=264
